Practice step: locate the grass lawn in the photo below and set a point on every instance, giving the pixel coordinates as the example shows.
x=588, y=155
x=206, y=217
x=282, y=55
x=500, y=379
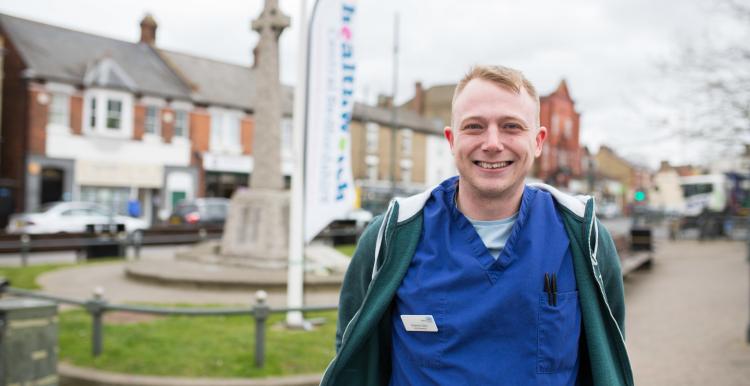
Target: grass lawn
x=25, y=277
x=213, y=346
x=347, y=249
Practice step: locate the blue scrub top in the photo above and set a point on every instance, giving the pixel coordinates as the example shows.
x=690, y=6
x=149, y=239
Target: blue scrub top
x=495, y=324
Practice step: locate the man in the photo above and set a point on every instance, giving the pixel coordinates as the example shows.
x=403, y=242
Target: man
x=484, y=280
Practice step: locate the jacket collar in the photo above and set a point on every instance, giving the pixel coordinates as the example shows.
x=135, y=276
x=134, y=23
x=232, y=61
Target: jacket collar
x=410, y=206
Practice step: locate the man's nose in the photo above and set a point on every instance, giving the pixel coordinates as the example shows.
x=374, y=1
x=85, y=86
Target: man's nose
x=493, y=140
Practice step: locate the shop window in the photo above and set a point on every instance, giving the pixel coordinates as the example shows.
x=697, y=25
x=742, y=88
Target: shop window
x=112, y=198
x=224, y=184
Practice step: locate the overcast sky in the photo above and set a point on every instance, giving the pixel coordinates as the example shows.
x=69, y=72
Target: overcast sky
x=607, y=50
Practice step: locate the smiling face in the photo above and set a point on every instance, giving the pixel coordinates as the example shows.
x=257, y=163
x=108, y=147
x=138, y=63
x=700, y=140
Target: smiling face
x=494, y=140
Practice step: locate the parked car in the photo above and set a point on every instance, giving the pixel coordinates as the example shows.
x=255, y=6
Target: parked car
x=70, y=216
x=200, y=211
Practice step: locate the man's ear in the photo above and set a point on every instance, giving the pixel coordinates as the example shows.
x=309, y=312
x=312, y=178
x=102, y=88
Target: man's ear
x=541, y=135
x=448, y=133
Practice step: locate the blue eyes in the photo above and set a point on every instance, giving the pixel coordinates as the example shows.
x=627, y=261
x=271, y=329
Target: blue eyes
x=506, y=126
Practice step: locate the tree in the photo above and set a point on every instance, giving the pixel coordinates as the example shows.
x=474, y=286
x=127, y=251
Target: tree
x=712, y=73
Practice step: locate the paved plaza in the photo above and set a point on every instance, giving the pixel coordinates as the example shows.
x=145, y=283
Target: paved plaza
x=686, y=316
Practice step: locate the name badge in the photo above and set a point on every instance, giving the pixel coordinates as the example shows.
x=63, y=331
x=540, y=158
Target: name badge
x=419, y=323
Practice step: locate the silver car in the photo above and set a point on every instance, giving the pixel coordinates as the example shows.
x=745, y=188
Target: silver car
x=70, y=216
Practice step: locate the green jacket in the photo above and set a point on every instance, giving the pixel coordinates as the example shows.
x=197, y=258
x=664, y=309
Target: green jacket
x=363, y=337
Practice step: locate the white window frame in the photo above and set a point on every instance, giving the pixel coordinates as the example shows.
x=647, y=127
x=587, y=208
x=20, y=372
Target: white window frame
x=372, y=137
x=185, y=128
x=114, y=114
x=59, y=91
x=225, y=137
x=407, y=142
x=372, y=161
x=93, y=108
x=152, y=123
x=186, y=108
x=159, y=104
x=100, y=113
x=63, y=103
x=406, y=169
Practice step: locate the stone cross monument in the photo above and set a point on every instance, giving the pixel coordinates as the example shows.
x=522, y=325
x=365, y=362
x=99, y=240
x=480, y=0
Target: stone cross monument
x=267, y=145
x=257, y=229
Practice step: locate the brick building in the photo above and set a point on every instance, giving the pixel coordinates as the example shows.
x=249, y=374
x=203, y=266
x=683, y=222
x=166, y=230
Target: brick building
x=420, y=154
x=560, y=161
x=91, y=118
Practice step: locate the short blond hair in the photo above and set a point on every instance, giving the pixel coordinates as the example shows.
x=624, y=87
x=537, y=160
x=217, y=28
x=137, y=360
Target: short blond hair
x=505, y=77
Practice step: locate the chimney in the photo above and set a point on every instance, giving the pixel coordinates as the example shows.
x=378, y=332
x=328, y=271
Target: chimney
x=418, y=103
x=385, y=101
x=148, y=30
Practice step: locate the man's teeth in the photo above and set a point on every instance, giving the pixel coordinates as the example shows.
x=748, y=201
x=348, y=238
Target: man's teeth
x=493, y=165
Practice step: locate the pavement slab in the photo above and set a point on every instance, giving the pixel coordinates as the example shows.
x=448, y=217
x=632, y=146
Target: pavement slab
x=687, y=316
x=79, y=283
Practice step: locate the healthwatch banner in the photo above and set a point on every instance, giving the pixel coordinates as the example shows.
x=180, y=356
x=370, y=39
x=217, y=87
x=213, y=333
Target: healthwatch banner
x=329, y=188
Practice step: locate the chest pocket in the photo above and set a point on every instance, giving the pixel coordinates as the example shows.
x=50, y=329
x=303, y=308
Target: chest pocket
x=558, y=333
x=424, y=349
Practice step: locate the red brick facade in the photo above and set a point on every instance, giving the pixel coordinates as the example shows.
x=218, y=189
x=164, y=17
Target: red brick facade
x=139, y=119
x=39, y=101
x=167, y=128
x=76, y=114
x=561, y=158
x=200, y=135
x=200, y=129
x=14, y=123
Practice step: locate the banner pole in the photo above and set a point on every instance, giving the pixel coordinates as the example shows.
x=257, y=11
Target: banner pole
x=296, y=269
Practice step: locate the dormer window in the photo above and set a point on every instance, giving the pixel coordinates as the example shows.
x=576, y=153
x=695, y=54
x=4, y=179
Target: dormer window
x=114, y=114
x=92, y=113
x=108, y=113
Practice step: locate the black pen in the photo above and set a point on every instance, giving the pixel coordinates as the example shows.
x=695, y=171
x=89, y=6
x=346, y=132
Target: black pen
x=554, y=289
x=548, y=288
